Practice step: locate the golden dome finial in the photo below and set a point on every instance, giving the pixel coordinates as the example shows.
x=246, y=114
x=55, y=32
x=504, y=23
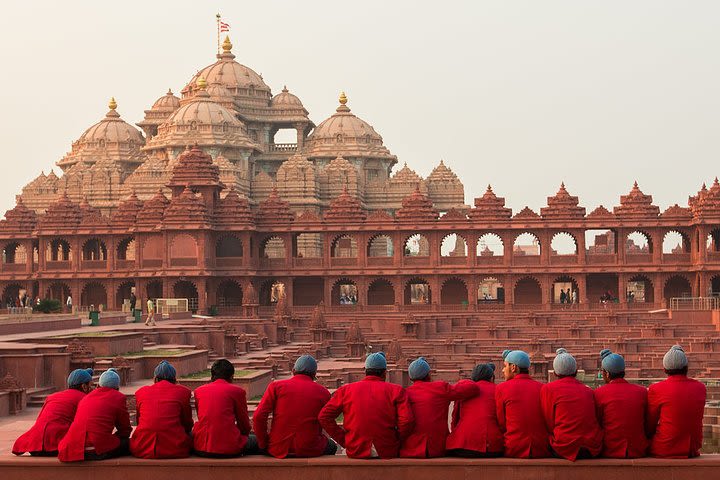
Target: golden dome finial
x=343, y=98
x=201, y=83
x=227, y=44
x=112, y=104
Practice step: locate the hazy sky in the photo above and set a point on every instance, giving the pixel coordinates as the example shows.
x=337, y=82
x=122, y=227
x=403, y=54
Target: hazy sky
x=519, y=94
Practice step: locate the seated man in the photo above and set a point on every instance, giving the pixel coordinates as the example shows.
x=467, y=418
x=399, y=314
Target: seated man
x=90, y=436
x=55, y=417
x=475, y=429
x=621, y=409
x=377, y=415
x=569, y=411
x=430, y=402
x=675, y=410
x=517, y=402
x=164, y=417
x=294, y=404
x=223, y=426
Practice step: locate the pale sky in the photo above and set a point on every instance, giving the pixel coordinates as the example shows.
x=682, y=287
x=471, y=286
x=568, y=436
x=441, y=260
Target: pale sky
x=519, y=94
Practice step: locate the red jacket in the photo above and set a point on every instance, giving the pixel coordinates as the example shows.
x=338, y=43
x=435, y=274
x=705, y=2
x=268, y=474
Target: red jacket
x=164, y=421
x=475, y=424
x=52, y=423
x=569, y=410
x=223, y=424
x=430, y=402
x=294, y=404
x=675, y=417
x=520, y=418
x=621, y=409
x=98, y=414
x=376, y=413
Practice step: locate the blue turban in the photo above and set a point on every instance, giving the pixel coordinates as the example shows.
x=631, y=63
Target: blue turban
x=165, y=371
x=110, y=379
x=419, y=369
x=79, y=376
x=675, y=358
x=517, y=357
x=612, y=362
x=483, y=371
x=376, y=361
x=564, y=363
x=305, y=364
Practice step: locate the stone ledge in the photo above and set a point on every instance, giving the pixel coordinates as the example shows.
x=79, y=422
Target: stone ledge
x=261, y=468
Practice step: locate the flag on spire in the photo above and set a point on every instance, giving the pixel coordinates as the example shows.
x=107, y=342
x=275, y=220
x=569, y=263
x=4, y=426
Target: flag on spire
x=224, y=27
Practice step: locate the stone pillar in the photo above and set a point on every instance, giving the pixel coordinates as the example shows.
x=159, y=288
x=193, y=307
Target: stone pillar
x=472, y=285
x=620, y=245
x=657, y=245
x=471, y=240
x=42, y=252
x=544, y=238
x=508, y=244
x=659, y=290
x=509, y=284
x=622, y=288
x=398, y=249
x=201, y=284
x=362, y=246
x=201, y=241
x=582, y=287
x=300, y=135
x=546, y=282
x=581, y=252
x=399, y=288
x=704, y=282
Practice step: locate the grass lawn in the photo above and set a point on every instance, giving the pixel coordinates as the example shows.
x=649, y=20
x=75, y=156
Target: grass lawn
x=206, y=374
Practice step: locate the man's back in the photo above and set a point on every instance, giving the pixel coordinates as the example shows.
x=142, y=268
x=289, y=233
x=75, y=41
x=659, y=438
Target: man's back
x=520, y=418
x=223, y=424
x=621, y=408
x=164, y=421
x=294, y=404
x=475, y=425
x=675, y=416
x=376, y=415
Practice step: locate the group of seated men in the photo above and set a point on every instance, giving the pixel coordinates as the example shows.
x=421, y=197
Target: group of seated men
x=519, y=418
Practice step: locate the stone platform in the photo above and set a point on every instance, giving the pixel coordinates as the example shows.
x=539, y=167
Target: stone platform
x=340, y=467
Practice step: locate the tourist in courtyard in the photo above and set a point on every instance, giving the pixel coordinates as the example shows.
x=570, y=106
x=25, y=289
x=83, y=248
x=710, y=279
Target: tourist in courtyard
x=675, y=410
x=569, y=411
x=133, y=303
x=517, y=403
x=223, y=426
x=475, y=429
x=150, y=321
x=69, y=303
x=430, y=402
x=101, y=411
x=621, y=408
x=294, y=405
x=164, y=417
x=55, y=417
x=376, y=415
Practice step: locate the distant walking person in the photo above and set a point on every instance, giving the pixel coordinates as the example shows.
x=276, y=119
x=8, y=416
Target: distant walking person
x=151, y=313
x=68, y=303
x=133, y=303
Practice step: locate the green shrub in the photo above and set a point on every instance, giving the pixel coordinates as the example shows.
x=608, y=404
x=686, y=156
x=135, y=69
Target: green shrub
x=49, y=305
x=213, y=310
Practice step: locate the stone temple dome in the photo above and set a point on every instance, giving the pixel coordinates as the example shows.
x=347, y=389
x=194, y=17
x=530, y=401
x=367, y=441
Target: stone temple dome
x=167, y=102
x=158, y=113
x=285, y=99
x=240, y=80
x=111, y=138
x=346, y=135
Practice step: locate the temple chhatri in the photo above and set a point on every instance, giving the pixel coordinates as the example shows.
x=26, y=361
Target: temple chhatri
x=258, y=251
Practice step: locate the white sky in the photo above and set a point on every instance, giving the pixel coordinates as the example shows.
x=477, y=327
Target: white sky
x=520, y=94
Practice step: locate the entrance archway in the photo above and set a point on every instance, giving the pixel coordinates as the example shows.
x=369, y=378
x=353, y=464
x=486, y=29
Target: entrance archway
x=58, y=291
x=528, y=292
x=565, y=290
x=454, y=292
x=381, y=292
x=602, y=286
x=155, y=289
x=270, y=292
x=308, y=291
x=187, y=289
x=491, y=289
x=123, y=293
x=94, y=294
x=417, y=292
x=640, y=289
x=229, y=295
x=676, y=286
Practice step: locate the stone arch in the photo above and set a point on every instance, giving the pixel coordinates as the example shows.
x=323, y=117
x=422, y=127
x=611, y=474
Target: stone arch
x=153, y=248
x=491, y=289
x=58, y=250
x=713, y=240
x=58, y=291
x=14, y=253
x=453, y=245
x=272, y=247
x=638, y=242
x=126, y=249
x=674, y=242
x=715, y=285
x=526, y=244
x=229, y=294
x=187, y=289
x=344, y=246
x=94, y=249
x=308, y=291
x=416, y=245
x=563, y=243
x=676, y=286
x=11, y=294
x=344, y=292
x=228, y=245
x=123, y=293
x=381, y=292
x=560, y=287
x=270, y=292
x=490, y=245
x=183, y=245
x=380, y=245
x=454, y=292
x=601, y=286
x=640, y=289
x=308, y=245
x=600, y=242
x=93, y=293
x=527, y=291
x=155, y=289
x=417, y=291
